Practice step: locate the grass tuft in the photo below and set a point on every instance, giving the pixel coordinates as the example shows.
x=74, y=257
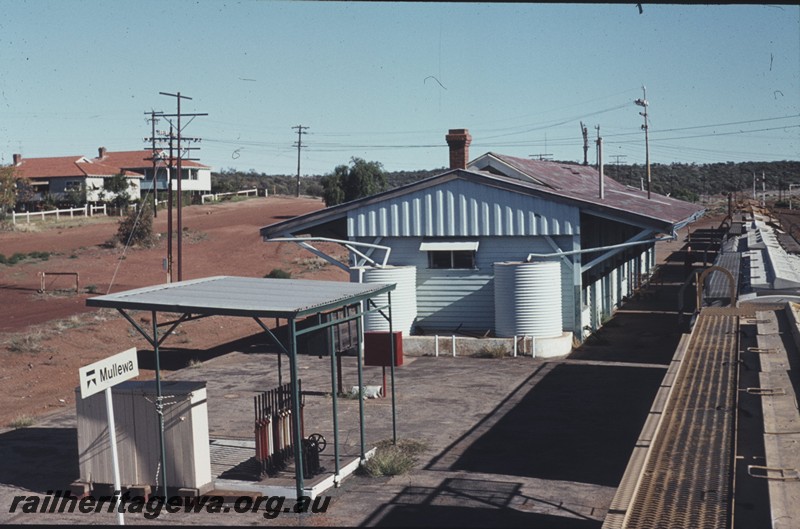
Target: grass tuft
x=491, y=351
x=394, y=460
x=30, y=342
x=22, y=421
x=73, y=322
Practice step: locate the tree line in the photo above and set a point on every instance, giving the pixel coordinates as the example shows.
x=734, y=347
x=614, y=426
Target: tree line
x=691, y=181
x=679, y=180
x=346, y=182
x=361, y=178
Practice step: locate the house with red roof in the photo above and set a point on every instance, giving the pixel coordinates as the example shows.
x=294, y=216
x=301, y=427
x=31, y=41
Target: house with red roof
x=61, y=175
x=195, y=177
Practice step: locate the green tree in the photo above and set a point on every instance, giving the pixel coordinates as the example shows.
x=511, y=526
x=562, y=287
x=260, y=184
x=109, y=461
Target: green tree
x=76, y=197
x=332, y=187
x=8, y=189
x=118, y=185
x=136, y=228
x=350, y=182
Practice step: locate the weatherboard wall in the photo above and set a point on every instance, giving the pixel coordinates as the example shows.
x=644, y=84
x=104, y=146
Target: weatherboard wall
x=460, y=208
x=452, y=299
x=603, y=296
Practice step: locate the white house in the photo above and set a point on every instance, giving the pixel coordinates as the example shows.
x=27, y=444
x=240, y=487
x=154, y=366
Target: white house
x=58, y=176
x=195, y=177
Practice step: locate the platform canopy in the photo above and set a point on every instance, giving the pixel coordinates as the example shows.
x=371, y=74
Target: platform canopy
x=257, y=298
x=243, y=296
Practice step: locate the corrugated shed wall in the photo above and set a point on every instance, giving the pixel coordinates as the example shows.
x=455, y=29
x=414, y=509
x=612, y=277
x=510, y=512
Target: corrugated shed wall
x=447, y=299
x=462, y=208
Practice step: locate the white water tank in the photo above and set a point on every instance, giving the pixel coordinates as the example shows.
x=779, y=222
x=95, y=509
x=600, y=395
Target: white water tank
x=527, y=299
x=404, y=296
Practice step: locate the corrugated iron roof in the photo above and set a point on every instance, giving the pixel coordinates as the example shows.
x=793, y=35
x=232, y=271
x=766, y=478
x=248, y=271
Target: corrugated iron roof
x=582, y=182
x=573, y=184
x=243, y=296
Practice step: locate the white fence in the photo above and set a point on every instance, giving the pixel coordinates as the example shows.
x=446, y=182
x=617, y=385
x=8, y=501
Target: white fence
x=87, y=210
x=215, y=196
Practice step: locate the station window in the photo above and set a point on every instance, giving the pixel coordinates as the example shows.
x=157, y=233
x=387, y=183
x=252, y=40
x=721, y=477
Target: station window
x=456, y=254
x=459, y=259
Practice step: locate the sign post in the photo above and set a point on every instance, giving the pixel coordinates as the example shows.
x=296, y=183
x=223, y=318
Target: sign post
x=102, y=376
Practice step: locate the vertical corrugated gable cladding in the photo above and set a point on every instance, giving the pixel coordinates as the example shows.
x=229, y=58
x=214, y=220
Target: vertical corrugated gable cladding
x=509, y=226
x=459, y=208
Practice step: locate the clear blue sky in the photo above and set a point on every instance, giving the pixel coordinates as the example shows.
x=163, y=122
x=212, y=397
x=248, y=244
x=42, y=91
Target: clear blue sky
x=385, y=81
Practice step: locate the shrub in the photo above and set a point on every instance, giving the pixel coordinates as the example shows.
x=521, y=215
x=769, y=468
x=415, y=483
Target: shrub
x=136, y=228
x=278, y=273
x=393, y=460
x=26, y=343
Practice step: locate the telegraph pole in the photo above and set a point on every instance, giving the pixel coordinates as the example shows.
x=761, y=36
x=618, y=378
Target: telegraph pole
x=299, y=144
x=644, y=103
x=616, y=161
x=600, y=161
x=179, y=130
x=153, y=120
x=585, y=132
x=169, y=207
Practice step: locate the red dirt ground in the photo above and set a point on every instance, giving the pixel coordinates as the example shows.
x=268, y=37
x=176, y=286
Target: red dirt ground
x=48, y=336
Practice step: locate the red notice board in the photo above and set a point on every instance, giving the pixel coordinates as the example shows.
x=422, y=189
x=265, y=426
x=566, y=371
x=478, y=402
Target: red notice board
x=377, y=348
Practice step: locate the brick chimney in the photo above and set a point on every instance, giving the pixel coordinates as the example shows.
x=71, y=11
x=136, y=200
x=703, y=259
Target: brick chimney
x=17, y=159
x=458, y=140
x=101, y=152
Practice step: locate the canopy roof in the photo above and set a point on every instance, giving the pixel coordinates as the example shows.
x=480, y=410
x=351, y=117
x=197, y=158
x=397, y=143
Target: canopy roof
x=243, y=296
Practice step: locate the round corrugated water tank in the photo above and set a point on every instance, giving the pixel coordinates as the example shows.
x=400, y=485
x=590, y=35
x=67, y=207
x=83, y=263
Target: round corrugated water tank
x=527, y=299
x=404, y=296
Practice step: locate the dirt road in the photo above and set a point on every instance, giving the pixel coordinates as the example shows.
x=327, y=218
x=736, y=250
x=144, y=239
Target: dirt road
x=47, y=336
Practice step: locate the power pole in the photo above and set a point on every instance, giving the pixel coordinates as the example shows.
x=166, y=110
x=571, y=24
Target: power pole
x=585, y=132
x=299, y=144
x=170, y=172
x=616, y=161
x=153, y=120
x=179, y=138
x=644, y=103
x=600, y=161
x=164, y=137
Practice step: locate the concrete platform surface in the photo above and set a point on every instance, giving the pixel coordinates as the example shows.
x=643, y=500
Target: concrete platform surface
x=510, y=442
